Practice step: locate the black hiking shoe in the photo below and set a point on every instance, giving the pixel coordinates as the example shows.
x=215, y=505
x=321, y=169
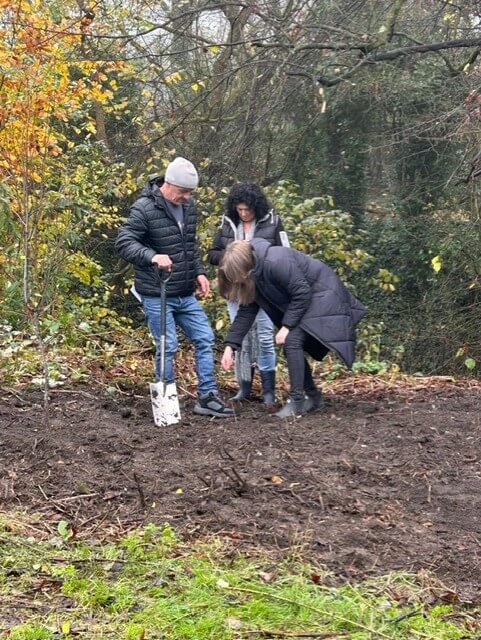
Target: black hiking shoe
x=212, y=405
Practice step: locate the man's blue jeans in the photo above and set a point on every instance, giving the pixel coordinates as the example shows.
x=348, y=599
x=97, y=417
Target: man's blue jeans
x=184, y=312
x=265, y=337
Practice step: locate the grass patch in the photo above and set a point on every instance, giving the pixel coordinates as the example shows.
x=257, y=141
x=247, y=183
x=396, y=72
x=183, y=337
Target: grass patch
x=149, y=584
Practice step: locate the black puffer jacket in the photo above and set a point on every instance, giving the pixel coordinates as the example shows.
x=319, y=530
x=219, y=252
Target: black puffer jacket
x=269, y=227
x=151, y=229
x=295, y=289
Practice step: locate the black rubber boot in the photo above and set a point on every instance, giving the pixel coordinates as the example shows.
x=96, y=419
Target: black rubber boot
x=313, y=400
x=244, y=392
x=268, y=379
x=291, y=409
x=313, y=397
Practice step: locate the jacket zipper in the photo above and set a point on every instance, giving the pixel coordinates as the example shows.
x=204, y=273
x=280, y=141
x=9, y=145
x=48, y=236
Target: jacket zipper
x=184, y=243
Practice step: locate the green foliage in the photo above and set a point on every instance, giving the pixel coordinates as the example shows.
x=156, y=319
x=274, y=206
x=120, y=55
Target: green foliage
x=81, y=130
x=432, y=318
x=151, y=584
x=317, y=228
x=97, y=593
x=345, y=158
x=74, y=218
x=64, y=530
x=68, y=287
x=31, y=632
x=421, y=159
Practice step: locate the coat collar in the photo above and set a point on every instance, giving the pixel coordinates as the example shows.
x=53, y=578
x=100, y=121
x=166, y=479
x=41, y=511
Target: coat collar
x=260, y=247
x=234, y=220
x=152, y=190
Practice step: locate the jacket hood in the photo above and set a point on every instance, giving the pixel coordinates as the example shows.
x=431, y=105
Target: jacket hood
x=151, y=188
x=235, y=219
x=260, y=247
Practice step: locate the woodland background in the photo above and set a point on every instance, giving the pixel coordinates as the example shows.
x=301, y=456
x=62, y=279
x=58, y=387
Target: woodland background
x=361, y=118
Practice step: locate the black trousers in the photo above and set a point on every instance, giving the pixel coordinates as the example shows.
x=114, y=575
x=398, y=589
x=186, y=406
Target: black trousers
x=300, y=373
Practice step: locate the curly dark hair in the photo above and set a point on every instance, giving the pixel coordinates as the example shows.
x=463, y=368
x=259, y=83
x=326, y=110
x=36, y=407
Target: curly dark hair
x=250, y=194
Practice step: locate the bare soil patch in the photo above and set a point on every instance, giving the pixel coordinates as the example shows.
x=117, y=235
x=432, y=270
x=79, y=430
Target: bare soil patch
x=383, y=478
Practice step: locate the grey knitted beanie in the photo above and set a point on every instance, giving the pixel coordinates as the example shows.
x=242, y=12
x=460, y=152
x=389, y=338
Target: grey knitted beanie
x=182, y=173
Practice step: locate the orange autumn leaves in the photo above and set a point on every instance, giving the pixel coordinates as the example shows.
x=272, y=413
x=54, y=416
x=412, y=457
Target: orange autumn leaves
x=44, y=87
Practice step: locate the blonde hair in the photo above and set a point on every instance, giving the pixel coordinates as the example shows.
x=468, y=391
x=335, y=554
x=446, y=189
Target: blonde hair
x=235, y=283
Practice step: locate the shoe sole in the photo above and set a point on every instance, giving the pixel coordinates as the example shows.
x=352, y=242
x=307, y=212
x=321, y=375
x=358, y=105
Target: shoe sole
x=209, y=412
x=293, y=414
x=312, y=409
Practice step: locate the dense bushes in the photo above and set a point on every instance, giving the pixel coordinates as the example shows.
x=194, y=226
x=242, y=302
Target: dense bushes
x=433, y=316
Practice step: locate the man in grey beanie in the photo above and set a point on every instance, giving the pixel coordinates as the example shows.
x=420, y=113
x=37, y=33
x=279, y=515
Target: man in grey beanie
x=160, y=233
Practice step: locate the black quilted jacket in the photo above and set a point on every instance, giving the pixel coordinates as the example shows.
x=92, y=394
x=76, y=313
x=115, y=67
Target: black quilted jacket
x=151, y=229
x=269, y=227
x=295, y=289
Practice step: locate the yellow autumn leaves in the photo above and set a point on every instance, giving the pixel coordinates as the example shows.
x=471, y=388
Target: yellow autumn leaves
x=43, y=85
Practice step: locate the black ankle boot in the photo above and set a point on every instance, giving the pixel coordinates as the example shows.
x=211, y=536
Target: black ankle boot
x=268, y=379
x=313, y=400
x=291, y=409
x=244, y=392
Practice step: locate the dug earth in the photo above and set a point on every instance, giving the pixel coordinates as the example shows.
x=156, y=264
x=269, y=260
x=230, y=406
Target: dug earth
x=381, y=479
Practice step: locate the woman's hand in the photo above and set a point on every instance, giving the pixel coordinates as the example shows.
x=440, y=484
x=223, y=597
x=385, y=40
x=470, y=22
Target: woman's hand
x=227, y=361
x=281, y=335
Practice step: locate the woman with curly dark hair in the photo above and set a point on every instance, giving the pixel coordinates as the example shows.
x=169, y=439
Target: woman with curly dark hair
x=249, y=215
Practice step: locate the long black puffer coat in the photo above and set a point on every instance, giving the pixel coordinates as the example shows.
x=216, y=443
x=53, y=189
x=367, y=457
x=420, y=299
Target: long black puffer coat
x=151, y=229
x=295, y=289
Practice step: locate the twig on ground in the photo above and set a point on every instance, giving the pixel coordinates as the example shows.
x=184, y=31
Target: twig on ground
x=405, y=616
x=187, y=392
x=226, y=454
x=77, y=392
x=43, y=493
x=35, y=444
x=305, y=634
x=140, y=490
x=237, y=479
x=80, y=496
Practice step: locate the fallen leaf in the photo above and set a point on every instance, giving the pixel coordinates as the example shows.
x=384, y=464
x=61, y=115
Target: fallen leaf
x=234, y=623
x=436, y=263
x=237, y=535
x=222, y=584
x=450, y=597
x=266, y=577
